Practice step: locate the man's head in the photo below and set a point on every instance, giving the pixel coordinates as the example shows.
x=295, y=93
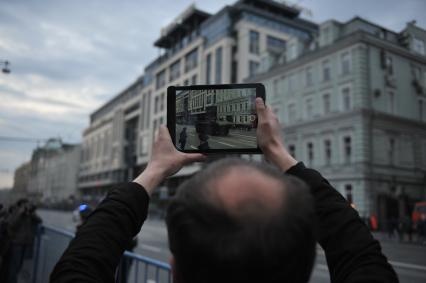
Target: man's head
x=238, y=221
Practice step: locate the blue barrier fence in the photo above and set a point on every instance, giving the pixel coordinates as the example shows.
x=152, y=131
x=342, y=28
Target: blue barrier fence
x=51, y=242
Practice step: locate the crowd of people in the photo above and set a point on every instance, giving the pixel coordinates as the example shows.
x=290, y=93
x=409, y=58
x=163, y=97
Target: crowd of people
x=18, y=228
x=404, y=229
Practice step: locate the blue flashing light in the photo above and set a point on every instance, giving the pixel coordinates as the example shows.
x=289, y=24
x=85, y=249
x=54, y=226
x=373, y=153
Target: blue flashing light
x=83, y=207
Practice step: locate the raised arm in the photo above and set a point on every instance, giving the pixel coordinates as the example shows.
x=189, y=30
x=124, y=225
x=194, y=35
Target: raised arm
x=353, y=255
x=95, y=252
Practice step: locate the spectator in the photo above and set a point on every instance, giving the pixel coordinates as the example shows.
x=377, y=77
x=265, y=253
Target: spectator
x=22, y=231
x=4, y=244
x=235, y=221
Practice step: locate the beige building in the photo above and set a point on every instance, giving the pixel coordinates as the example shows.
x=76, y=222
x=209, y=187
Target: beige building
x=53, y=171
x=353, y=102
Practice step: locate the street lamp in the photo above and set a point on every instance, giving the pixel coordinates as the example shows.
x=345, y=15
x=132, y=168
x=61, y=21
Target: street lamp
x=5, y=69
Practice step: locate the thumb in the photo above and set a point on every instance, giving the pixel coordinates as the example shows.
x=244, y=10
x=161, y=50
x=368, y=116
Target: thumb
x=260, y=106
x=163, y=132
x=193, y=157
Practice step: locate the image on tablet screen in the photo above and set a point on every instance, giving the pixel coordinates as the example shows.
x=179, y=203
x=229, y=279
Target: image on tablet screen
x=215, y=119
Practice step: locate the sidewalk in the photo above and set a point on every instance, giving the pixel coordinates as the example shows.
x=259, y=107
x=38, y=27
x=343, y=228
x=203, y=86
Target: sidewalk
x=384, y=237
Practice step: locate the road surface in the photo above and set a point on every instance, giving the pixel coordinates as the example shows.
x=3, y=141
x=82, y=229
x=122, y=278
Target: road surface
x=234, y=140
x=409, y=260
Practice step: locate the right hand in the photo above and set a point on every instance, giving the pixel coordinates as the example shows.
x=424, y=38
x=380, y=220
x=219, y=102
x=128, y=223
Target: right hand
x=270, y=139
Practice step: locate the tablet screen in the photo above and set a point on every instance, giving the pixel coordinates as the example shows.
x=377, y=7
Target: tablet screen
x=209, y=119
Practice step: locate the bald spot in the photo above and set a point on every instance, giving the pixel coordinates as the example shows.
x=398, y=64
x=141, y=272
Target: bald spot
x=245, y=191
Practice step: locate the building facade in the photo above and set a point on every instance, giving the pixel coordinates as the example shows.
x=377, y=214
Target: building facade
x=196, y=48
x=21, y=178
x=54, y=171
x=352, y=100
x=351, y=96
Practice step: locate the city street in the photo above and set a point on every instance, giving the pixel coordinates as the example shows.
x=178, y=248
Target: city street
x=409, y=260
x=235, y=139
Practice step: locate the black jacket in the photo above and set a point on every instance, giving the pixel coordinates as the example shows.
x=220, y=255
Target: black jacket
x=352, y=253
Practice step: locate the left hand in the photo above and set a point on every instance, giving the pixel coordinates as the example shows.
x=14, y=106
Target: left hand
x=165, y=161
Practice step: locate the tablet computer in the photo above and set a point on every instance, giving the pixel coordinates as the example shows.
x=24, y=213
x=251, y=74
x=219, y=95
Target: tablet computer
x=214, y=118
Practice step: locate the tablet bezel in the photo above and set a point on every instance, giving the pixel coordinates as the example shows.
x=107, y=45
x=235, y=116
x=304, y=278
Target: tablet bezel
x=171, y=114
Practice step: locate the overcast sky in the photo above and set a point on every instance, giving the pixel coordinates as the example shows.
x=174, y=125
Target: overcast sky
x=69, y=57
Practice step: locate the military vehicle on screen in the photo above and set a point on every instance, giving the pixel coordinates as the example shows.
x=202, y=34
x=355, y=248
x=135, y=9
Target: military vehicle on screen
x=213, y=127
x=208, y=123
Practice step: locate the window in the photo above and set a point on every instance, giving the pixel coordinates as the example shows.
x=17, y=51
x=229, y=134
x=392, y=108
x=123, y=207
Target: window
x=191, y=60
x=291, y=113
x=348, y=193
x=417, y=73
x=327, y=152
x=273, y=42
x=346, y=99
x=292, y=150
x=106, y=144
x=254, y=42
x=326, y=34
x=326, y=103
x=156, y=104
x=291, y=83
x=389, y=65
x=391, y=151
x=292, y=52
x=346, y=63
x=194, y=79
x=391, y=102
x=174, y=71
x=309, y=108
x=310, y=150
x=419, y=46
x=253, y=68
x=208, y=68
x=347, y=149
x=162, y=102
x=218, y=65
x=326, y=76
x=309, y=79
x=161, y=79
x=276, y=87
x=144, y=145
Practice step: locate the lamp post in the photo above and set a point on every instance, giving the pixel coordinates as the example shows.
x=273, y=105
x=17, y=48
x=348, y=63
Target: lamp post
x=5, y=64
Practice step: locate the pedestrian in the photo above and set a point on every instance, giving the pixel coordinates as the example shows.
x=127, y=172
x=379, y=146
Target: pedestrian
x=392, y=227
x=234, y=221
x=421, y=229
x=4, y=244
x=182, y=138
x=22, y=231
x=402, y=229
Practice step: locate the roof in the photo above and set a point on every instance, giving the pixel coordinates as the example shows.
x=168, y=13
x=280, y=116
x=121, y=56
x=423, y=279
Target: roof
x=181, y=26
x=273, y=6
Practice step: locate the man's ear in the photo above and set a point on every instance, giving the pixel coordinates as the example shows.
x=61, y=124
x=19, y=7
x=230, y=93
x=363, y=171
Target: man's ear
x=173, y=267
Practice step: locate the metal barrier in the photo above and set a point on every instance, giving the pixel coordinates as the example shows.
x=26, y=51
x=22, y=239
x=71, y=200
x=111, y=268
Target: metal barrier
x=51, y=242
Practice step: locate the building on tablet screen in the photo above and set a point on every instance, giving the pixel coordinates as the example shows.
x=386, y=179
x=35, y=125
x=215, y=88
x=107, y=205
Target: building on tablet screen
x=351, y=94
